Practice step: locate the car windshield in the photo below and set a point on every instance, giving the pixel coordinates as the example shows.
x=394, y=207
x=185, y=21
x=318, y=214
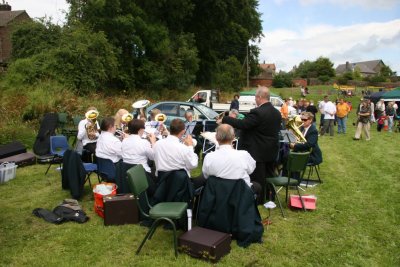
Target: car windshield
x=211, y=114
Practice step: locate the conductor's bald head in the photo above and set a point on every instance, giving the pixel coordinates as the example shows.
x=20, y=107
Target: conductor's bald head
x=225, y=134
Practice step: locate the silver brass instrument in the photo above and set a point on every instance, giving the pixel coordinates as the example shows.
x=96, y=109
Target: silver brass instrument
x=293, y=125
x=140, y=104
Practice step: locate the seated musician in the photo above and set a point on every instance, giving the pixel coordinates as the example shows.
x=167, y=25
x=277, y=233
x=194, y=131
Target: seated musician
x=108, y=145
x=172, y=153
x=310, y=132
x=135, y=149
x=122, y=117
x=156, y=127
x=190, y=125
x=88, y=133
x=228, y=163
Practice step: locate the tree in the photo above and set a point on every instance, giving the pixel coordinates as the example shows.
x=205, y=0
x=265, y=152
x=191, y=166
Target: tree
x=282, y=79
x=229, y=75
x=386, y=72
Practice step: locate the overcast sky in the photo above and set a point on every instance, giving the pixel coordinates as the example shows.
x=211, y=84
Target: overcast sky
x=297, y=30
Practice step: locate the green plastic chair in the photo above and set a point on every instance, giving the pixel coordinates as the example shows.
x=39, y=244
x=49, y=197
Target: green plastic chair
x=296, y=163
x=164, y=211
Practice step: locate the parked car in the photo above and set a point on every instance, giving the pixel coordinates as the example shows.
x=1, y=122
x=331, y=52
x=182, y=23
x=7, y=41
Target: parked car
x=176, y=109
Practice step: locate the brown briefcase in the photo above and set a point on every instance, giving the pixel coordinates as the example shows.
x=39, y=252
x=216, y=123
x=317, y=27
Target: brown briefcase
x=205, y=243
x=120, y=209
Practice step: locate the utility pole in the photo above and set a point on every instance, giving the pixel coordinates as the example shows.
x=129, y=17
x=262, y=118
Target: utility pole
x=247, y=63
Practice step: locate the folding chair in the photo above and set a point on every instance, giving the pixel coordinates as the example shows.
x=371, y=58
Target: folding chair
x=311, y=168
x=164, y=211
x=106, y=169
x=58, y=146
x=297, y=163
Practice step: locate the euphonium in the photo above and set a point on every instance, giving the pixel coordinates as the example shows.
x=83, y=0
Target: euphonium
x=91, y=125
x=160, y=117
x=91, y=129
x=293, y=125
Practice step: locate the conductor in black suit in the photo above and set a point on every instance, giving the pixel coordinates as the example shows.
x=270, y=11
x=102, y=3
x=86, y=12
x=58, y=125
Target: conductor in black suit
x=310, y=132
x=260, y=137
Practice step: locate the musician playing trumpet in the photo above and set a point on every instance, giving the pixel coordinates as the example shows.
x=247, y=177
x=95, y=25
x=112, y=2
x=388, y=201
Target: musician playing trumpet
x=310, y=133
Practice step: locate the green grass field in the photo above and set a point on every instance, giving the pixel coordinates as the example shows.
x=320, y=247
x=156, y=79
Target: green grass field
x=356, y=222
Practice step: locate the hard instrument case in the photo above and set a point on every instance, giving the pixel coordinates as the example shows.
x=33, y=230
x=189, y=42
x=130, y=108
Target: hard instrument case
x=11, y=149
x=120, y=209
x=204, y=243
x=23, y=159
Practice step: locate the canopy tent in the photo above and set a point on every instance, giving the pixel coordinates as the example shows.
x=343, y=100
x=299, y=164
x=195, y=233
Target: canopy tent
x=376, y=96
x=253, y=92
x=393, y=95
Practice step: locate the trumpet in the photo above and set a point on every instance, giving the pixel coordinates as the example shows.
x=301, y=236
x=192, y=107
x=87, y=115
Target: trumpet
x=293, y=125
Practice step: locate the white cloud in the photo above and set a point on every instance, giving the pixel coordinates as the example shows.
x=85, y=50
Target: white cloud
x=38, y=9
x=340, y=44
x=369, y=4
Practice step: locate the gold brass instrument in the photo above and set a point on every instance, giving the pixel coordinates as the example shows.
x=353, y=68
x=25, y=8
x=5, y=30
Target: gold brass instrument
x=91, y=125
x=160, y=117
x=293, y=125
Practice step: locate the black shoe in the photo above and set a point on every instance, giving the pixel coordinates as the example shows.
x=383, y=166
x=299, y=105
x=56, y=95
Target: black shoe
x=356, y=139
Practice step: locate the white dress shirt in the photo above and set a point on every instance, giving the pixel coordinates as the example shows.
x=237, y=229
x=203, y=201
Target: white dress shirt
x=329, y=111
x=82, y=134
x=229, y=163
x=171, y=155
x=108, y=147
x=136, y=150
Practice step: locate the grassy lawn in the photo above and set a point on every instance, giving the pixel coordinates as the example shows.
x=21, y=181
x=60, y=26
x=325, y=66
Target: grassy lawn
x=356, y=222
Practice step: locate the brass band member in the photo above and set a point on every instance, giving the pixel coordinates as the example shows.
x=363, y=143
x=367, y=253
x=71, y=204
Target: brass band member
x=310, y=133
x=108, y=145
x=119, y=123
x=88, y=132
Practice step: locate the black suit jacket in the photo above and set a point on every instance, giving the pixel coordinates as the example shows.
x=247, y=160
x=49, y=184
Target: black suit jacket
x=259, y=132
x=312, y=143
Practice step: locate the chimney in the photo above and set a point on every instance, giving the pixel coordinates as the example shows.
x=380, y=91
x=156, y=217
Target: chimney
x=347, y=66
x=5, y=6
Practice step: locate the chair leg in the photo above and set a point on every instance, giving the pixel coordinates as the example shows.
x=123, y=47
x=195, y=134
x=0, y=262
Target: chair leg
x=153, y=226
x=316, y=170
x=51, y=163
x=175, y=239
x=279, y=201
x=301, y=199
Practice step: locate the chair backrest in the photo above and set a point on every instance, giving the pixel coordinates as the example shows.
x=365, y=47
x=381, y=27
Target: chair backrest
x=297, y=161
x=106, y=169
x=58, y=144
x=137, y=180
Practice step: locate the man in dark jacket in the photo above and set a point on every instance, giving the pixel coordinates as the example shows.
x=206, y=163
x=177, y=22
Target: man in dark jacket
x=260, y=137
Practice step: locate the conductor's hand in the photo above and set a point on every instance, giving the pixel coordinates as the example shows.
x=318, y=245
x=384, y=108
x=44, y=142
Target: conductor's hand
x=188, y=140
x=219, y=121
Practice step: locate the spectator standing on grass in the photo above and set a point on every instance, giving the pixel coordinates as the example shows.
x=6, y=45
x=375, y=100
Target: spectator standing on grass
x=313, y=109
x=329, y=117
x=390, y=112
x=235, y=102
x=363, y=124
x=372, y=106
x=341, y=115
x=321, y=105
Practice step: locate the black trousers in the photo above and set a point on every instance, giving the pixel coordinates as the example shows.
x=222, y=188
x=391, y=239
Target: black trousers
x=262, y=171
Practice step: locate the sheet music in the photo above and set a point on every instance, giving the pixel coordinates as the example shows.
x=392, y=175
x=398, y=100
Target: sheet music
x=287, y=136
x=190, y=127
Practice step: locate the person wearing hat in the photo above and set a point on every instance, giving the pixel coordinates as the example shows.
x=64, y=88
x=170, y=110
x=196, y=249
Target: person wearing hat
x=88, y=133
x=363, y=122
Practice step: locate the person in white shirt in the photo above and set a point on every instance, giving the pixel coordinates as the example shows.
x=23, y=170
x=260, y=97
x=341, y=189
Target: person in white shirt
x=329, y=117
x=108, y=145
x=228, y=163
x=135, y=149
x=87, y=140
x=321, y=105
x=171, y=154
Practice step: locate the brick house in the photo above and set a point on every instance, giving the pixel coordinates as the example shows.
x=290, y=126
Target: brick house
x=266, y=75
x=366, y=68
x=7, y=18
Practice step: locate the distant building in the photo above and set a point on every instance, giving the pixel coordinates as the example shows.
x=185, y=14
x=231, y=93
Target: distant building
x=266, y=75
x=366, y=68
x=7, y=18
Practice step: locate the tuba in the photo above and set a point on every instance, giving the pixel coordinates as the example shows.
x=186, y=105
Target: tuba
x=293, y=125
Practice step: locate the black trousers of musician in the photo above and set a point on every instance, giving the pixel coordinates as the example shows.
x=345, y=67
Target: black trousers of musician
x=262, y=171
x=89, y=153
